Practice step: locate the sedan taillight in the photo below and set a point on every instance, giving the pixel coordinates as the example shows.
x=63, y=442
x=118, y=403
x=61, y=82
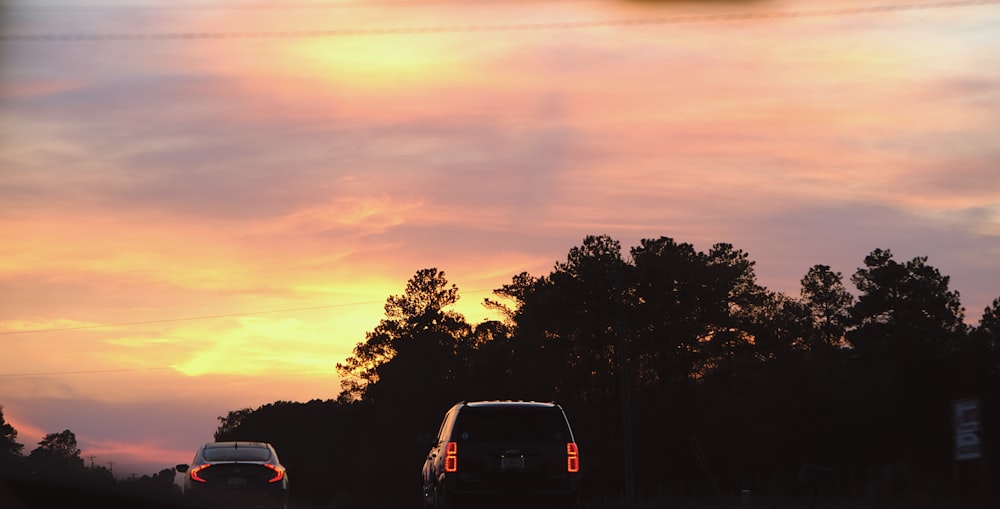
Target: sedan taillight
x=572, y=457
x=451, y=457
x=198, y=469
x=279, y=473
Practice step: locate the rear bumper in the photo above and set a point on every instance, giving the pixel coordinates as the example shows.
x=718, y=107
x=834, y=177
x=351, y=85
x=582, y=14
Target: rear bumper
x=534, y=500
x=472, y=492
x=266, y=499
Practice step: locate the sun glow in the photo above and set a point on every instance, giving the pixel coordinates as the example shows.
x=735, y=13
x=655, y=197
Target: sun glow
x=377, y=62
x=265, y=346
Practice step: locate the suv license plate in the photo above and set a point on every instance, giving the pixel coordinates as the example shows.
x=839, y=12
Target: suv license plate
x=512, y=462
x=237, y=482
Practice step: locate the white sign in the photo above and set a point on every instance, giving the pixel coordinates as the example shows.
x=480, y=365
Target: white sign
x=968, y=443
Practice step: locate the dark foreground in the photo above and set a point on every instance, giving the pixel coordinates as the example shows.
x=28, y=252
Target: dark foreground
x=23, y=494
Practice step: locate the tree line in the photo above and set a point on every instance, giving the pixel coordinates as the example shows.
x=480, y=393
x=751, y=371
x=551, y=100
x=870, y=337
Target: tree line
x=54, y=474
x=731, y=386
x=845, y=389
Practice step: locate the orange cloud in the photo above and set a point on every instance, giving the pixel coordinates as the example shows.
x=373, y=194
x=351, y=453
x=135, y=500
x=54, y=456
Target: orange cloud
x=358, y=214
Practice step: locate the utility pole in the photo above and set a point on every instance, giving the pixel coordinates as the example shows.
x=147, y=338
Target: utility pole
x=91, y=461
x=111, y=467
x=625, y=388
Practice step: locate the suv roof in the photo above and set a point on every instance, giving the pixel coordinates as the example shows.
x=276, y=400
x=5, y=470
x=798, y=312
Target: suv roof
x=510, y=422
x=504, y=402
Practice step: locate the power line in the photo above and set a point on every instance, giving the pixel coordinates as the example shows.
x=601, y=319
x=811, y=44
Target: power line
x=83, y=372
x=284, y=6
x=488, y=28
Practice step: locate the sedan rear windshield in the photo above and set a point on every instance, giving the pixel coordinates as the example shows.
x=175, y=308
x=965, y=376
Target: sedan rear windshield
x=511, y=424
x=237, y=454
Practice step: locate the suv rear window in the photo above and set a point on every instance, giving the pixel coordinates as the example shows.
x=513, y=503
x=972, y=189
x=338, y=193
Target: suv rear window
x=237, y=454
x=511, y=424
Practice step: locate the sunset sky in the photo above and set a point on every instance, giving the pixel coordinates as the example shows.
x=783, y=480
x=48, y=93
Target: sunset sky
x=207, y=211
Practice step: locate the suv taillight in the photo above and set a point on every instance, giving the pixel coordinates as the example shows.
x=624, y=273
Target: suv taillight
x=451, y=457
x=572, y=458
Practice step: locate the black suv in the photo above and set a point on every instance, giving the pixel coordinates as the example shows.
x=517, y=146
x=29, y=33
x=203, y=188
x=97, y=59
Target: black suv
x=505, y=452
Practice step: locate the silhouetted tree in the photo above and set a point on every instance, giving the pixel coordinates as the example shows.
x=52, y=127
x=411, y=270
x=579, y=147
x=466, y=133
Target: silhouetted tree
x=534, y=361
x=829, y=305
x=729, y=361
x=986, y=346
x=989, y=330
x=691, y=317
x=811, y=381
x=731, y=317
x=58, y=446
x=10, y=450
x=976, y=362
x=517, y=291
x=566, y=326
x=231, y=422
x=57, y=455
x=488, y=373
x=417, y=341
x=908, y=324
x=590, y=286
x=671, y=303
x=912, y=296
x=9, y=447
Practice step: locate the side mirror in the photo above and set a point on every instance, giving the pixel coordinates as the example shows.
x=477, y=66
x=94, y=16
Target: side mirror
x=181, y=468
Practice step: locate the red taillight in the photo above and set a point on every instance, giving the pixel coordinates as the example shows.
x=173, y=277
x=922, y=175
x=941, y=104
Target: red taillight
x=451, y=457
x=572, y=458
x=279, y=473
x=195, y=470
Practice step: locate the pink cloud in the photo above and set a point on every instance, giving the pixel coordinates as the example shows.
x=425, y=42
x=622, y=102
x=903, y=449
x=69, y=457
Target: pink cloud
x=140, y=457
